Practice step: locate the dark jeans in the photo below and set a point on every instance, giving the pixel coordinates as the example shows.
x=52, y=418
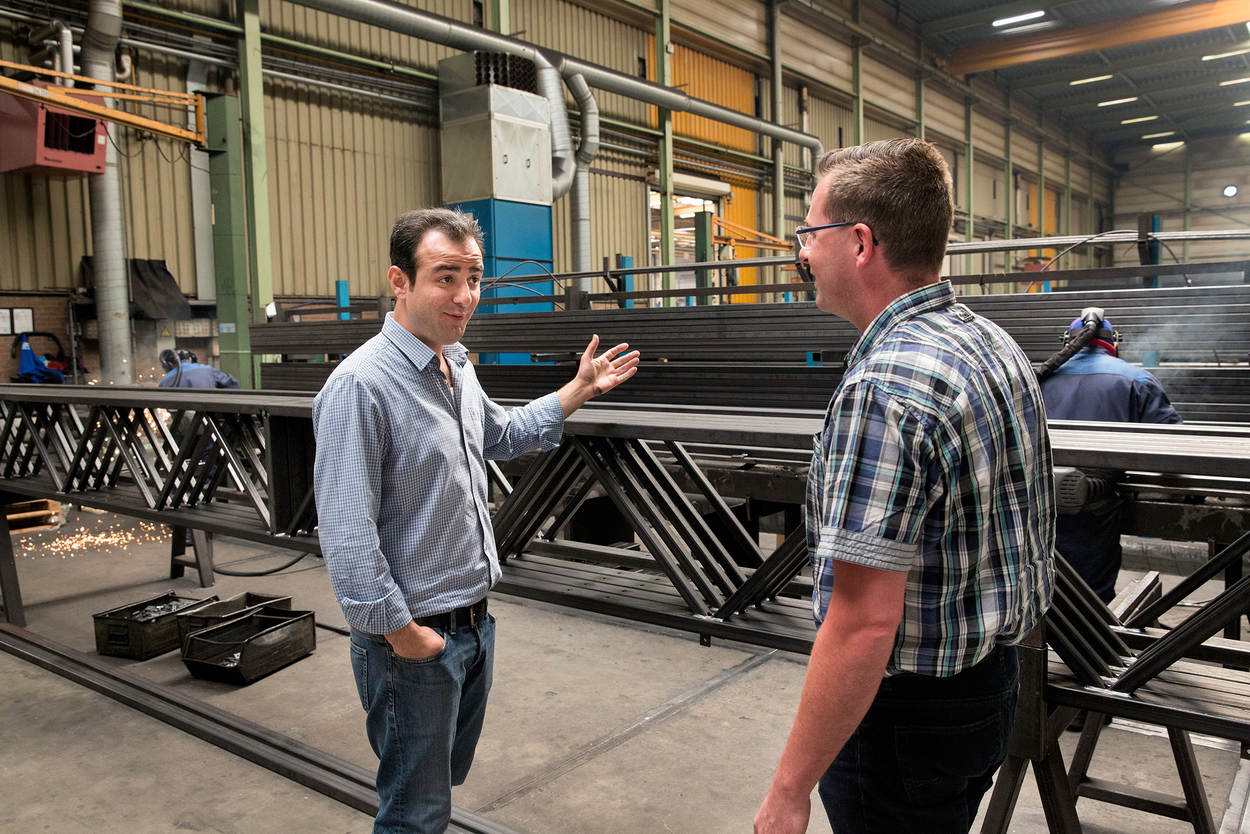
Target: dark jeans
x=926, y=752
x=423, y=720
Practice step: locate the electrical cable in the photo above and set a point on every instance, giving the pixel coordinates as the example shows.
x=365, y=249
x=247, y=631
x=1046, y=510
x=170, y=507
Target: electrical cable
x=270, y=571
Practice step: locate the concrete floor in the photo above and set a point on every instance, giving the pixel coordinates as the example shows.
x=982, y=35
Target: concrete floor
x=595, y=724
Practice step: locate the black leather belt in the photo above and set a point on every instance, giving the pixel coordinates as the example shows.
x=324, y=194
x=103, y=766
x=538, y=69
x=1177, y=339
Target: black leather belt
x=469, y=615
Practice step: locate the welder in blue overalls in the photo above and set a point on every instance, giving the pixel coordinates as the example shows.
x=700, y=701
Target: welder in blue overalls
x=1094, y=384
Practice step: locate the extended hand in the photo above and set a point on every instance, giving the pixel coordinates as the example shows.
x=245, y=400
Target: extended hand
x=604, y=372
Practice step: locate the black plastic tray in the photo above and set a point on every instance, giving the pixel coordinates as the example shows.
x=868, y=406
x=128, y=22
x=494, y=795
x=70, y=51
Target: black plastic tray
x=246, y=649
x=229, y=608
x=118, y=633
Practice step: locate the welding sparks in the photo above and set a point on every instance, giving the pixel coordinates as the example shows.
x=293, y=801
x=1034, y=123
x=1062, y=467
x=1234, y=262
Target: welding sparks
x=114, y=539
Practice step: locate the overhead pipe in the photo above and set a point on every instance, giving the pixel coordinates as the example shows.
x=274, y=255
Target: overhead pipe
x=453, y=33
x=587, y=150
x=104, y=27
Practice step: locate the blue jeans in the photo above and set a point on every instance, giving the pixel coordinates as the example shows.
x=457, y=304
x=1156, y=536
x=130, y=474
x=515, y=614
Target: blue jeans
x=423, y=721
x=926, y=751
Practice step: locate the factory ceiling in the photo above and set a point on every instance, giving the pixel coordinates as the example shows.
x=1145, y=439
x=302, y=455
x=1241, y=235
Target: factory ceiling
x=1126, y=72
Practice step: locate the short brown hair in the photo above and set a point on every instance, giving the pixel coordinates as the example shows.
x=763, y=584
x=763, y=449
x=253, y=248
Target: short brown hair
x=411, y=226
x=902, y=189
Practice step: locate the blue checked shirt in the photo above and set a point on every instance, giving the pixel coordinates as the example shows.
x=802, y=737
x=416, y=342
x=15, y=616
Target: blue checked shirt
x=400, y=478
x=935, y=460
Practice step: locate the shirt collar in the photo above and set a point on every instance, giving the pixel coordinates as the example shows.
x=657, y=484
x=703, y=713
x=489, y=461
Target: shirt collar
x=913, y=303
x=417, y=351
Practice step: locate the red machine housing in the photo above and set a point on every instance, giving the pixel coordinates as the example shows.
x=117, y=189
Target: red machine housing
x=44, y=140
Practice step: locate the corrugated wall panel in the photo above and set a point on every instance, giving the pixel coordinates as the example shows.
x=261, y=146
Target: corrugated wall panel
x=341, y=170
x=990, y=195
x=156, y=179
x=875, y=129
x=831, y=121
x=301, y=23
x=743, y=23
x=704, y=77
x=741, y=209
x=618, y=215
x=889, y=88
x=45, y=224
x=815, y=54
x=943, y=114
x=576, y=30
x=1054, y=166
x=988, y=133
x=1023, y=151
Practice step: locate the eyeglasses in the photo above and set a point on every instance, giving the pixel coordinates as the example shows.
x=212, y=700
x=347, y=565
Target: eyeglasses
x=803, y=233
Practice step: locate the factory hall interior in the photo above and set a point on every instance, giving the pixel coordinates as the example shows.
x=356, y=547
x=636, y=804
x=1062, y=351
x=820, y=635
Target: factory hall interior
x=625, y=416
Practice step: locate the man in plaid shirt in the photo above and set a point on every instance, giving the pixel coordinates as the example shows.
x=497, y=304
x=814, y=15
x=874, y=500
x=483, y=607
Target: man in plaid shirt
x=929, y=514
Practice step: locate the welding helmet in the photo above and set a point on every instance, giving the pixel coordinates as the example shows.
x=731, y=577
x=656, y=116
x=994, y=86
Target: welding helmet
x=1105, y=331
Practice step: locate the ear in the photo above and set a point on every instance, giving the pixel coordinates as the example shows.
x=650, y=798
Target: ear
x=398, y=281
x=866, y=250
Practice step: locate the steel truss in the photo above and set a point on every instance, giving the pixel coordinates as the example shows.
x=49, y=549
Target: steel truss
x=240, y=464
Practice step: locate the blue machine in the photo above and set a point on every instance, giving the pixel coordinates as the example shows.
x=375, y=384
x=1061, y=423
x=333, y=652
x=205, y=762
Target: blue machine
x=515, y=233
x=496, y=165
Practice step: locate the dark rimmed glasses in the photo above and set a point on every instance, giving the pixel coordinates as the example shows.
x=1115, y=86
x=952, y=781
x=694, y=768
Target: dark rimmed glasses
x=803, y=233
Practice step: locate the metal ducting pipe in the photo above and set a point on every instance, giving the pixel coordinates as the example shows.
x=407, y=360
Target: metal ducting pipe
x=462, y=36
x=104, y=27
x=587, y=150
x=459, y=35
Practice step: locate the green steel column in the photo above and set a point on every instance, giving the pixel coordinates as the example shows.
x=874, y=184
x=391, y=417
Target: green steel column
x=778, y=91
x=1091, y=223
x=1189, y=197
x=920, y=99
x=255, y=165
x=1009, y=184
x=1067, y=192
x=664, y=76
x=857, y=82
x=703, y=251
x=969, y=181
x=1041, y=188
x=501, y=16
x=224, y=145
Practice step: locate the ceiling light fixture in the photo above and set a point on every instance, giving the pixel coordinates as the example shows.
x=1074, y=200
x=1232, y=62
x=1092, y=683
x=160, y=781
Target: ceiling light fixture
x=1235, y=81
x=1089, y=80
x=1158, y=135
x=1241, y=103
x=1019, y=18
x=1225, y=55
x=1116, y=101
x=1138, y=119
x=1166, y=146
x=1230, y=190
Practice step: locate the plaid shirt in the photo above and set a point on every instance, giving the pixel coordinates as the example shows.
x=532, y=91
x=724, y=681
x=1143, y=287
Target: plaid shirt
x=400, y=478
x=935, y=460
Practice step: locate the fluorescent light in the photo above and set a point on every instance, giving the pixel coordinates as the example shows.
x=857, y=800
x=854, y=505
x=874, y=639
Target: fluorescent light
x=1235, y=81
x=1019, y=18
x=1225, y=55
x=1158, y=135
x=1138, y=119
x=1166, y=146
x=1089, y=80
x=1241, y=103
x=1116, y=101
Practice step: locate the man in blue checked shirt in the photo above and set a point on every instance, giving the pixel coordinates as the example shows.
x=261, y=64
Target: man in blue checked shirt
x=403, y=430
x=929, y=514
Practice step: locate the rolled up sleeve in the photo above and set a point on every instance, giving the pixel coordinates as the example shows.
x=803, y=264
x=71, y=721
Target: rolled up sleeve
x=347, y=477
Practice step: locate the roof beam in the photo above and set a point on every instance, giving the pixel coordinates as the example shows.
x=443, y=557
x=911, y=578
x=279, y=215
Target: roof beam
x=1156, y=89
x=1107, y=34
x=1155, y=59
